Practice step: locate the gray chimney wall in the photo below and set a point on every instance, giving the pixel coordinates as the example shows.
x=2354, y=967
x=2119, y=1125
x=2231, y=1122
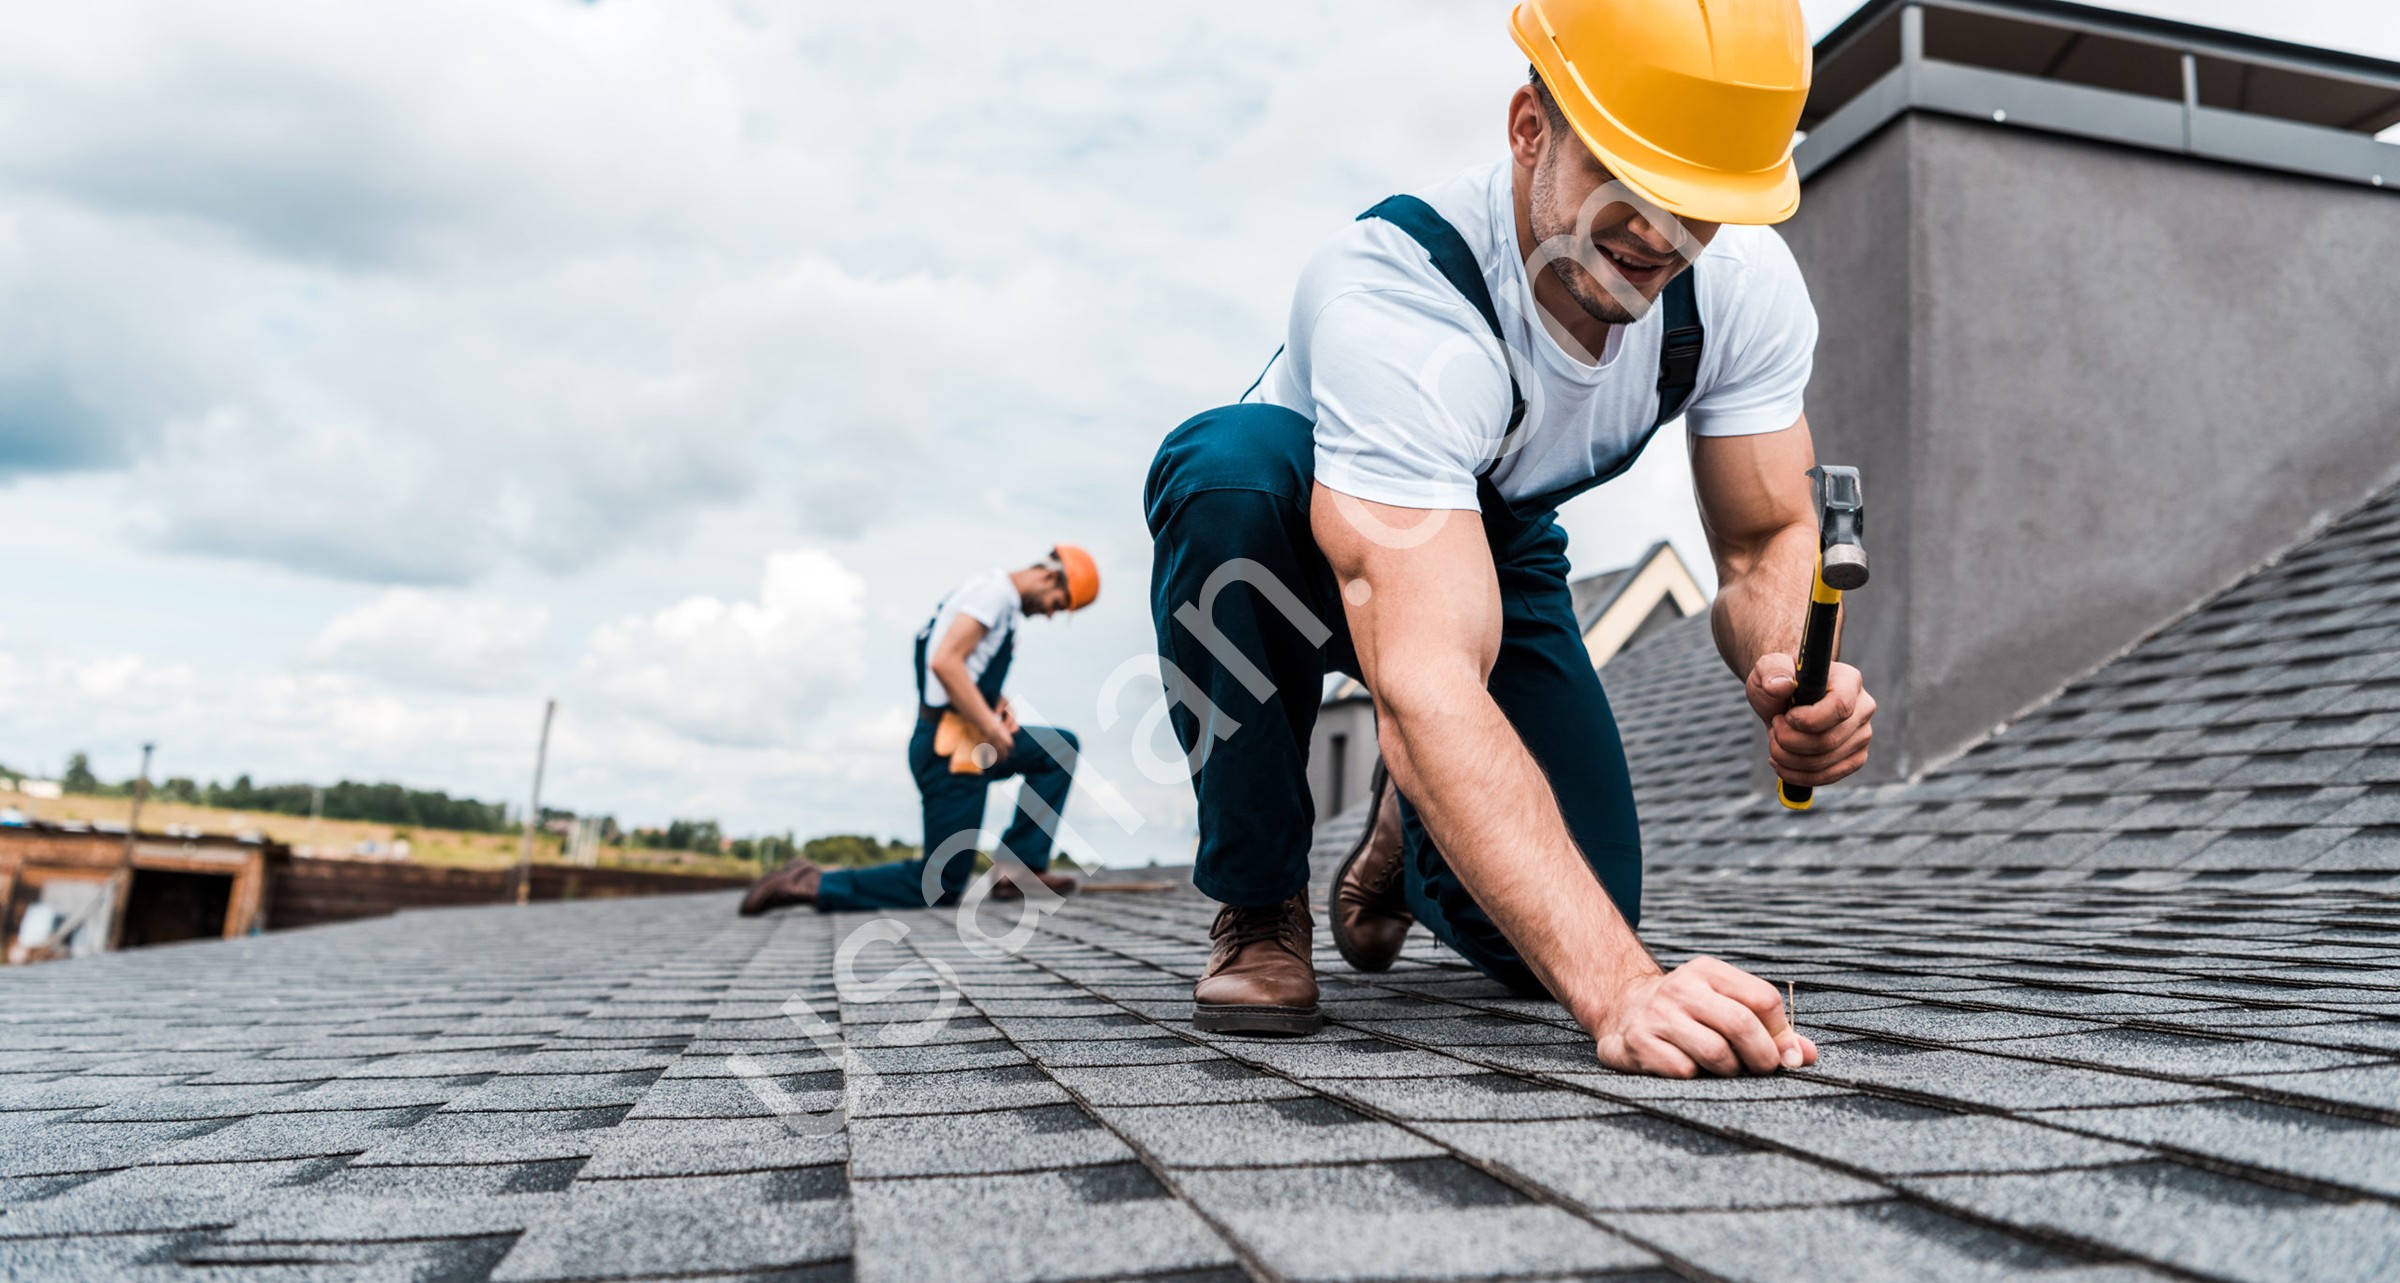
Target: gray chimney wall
x=2088, y=386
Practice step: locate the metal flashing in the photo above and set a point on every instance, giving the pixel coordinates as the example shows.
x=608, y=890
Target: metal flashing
x=2189, y=124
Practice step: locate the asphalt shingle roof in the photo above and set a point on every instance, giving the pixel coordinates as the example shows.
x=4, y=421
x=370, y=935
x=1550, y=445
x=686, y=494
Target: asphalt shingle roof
x=2020, y=1076
x=2256, y=739
x=2113, y=996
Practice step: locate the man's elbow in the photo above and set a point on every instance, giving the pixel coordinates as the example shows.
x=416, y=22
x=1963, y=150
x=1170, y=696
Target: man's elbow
x=1739, y=558
x=1423, y=696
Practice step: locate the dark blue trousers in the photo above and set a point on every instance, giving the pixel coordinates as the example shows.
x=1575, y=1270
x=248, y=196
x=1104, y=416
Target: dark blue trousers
x=1227, y=501
x=954, y=804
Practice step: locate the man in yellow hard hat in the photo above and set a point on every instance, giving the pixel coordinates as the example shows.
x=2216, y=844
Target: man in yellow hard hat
x=966, y=738
x=1458, y=363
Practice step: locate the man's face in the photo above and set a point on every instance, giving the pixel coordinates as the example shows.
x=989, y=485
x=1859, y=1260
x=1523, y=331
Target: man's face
x=1050, y=598
x=1635, y=246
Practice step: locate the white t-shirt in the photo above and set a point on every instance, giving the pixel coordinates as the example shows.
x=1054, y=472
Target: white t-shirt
x=990, y=599
x=1410, y=398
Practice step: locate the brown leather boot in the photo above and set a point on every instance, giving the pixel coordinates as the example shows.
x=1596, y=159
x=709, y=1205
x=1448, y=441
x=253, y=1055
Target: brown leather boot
x=1059, y=884
x=1367, y=908
x=794, y=883
x=1259, y=979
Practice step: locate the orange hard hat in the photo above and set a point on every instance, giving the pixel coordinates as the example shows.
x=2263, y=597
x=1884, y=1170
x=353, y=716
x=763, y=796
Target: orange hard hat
x=1691, y=103
x=1083, y=574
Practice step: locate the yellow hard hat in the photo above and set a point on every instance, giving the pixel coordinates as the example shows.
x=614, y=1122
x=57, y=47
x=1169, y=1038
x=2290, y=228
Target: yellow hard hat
x=1083, y=574
x=1691, y=102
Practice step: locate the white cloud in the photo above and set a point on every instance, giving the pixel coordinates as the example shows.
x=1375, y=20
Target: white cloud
x=443, y=641
x=742, y=673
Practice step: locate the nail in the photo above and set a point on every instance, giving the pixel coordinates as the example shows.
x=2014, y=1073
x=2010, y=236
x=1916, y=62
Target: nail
x=1791, y=1056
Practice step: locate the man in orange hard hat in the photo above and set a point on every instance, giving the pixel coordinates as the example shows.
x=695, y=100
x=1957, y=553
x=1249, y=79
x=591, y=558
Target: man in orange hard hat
x=966, y=737
x=1458, y=363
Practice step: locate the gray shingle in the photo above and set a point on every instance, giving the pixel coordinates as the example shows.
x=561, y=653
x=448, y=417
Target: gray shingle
x=1954, y=1024
x=83, y=1091
x=1429, y=1218
x=154, y=1199
x=448, y=1183
x=1186, y=1083
x=70, y=1147
x=1993, y=1082
x=483, y=1138
x=1271, y=1133
x=968, y=1091
x=1356, y=1057
x=989, y=1144
x=1631, y=1161
x=1892, y=1137
x=312, y=1217
x=2376, y=1086
x=111, y=1256
x=1469, y=1098
x=508, y=1093
x=2273, y=1138
x=2198, y=1221
x=1084, y=1223
x=2163, y=1053
x=635, y=1229
x=1861, y=1243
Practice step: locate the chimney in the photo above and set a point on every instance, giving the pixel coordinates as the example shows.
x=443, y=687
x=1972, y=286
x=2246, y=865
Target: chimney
x=2110, y=315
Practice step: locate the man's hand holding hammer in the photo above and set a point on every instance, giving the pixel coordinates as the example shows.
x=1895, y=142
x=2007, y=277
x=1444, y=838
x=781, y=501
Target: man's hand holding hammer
x=1811, y=744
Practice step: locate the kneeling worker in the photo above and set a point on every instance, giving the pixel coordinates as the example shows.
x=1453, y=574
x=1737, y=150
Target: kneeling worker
x=966, y=738
x=1459, y=363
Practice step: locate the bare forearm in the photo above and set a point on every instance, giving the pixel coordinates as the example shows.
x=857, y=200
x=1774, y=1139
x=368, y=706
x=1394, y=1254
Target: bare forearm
x=1762, y=598
x=1490, y=809
x=967, y=701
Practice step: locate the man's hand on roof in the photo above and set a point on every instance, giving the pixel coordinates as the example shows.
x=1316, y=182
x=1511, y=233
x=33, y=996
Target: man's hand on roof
x=1814, y=744
x=1704, y=1016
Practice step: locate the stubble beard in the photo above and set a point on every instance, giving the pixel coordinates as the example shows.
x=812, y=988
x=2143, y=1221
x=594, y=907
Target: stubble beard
x=1551, y=223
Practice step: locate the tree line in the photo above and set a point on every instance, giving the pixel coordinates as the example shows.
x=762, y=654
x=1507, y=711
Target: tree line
x=396, y=804
x=383, y=803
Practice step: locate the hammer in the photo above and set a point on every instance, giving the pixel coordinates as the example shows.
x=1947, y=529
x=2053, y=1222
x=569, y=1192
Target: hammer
x=1841, y=567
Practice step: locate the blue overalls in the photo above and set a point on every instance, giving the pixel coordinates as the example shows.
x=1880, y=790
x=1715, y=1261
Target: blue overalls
x=1233, y=483
x=953, y=804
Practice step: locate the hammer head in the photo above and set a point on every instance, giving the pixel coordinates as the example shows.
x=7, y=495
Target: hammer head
x=1841, y=526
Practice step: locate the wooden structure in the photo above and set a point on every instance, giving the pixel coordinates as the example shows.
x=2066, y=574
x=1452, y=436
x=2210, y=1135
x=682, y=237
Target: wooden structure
x=209, y=887
x=100, y=890
x=310, y=892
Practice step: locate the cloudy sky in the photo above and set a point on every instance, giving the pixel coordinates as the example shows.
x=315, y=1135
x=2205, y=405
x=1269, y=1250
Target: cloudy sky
x=369, y=372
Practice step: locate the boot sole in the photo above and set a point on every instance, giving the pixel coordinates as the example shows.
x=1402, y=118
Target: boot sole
x=1333, y=914
x=1269, y=1022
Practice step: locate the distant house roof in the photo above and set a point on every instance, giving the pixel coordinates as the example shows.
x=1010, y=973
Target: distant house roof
x=1617, y=607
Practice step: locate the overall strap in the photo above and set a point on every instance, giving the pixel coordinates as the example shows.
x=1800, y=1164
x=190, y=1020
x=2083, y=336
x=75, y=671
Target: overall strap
x=995, y=674
x=1679, y=348
x=924, y=636
x=1457, y=264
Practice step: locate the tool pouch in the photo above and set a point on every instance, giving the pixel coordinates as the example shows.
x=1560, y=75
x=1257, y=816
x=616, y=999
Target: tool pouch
x=957, y=739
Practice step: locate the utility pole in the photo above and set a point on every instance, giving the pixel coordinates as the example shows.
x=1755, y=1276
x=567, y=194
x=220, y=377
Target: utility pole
x=316, y=812
x=133, y=817
x=121, y=886
x=533, y=812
